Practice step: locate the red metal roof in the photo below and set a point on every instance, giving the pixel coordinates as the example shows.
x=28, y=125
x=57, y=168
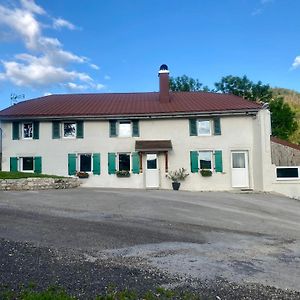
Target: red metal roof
x=284, y=143
x=118, y=104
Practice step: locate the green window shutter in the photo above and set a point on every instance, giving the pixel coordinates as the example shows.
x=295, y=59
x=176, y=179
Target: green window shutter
x=79, y=130
x=112, y=128
x=71, y=164
x=36, y=130
x=96, y=164
x=111, y=163
x=135, y=163
x=217, y=126
x=13, y=164
x=135, y=128
x=194, y=161
x=193, y=127
x=37, y=164
x=218, y=161
x=56, y=130
x=15, y=130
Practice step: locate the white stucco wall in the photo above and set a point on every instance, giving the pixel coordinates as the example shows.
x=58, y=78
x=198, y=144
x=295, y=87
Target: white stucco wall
x=238, y=133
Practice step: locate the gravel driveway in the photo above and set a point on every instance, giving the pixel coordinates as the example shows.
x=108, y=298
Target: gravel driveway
x=229, y=245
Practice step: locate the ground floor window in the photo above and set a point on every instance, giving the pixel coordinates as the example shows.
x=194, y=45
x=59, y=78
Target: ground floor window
x=124, y=162
x=85, y=162
x=27, y=164
x=205, y=160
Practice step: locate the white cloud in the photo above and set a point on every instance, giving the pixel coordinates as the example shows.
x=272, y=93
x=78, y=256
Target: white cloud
x=296, y=63
x=60, y=23
x=46, y=63
x=47, y=94
x=107, y=77
x=95, y=67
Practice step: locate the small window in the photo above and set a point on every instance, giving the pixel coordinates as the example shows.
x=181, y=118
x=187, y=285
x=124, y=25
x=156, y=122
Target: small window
x=204, y=127
x=69, y=130
x=27, y=164
x=125, y=129
x=28, y=130
x=85, y=162
x=205, y=160
x=124, y=162
x=287, y=173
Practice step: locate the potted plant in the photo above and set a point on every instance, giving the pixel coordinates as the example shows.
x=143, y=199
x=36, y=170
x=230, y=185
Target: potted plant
x=176, y=176
x=81, y=174
x=205, y=172
x=123, y=173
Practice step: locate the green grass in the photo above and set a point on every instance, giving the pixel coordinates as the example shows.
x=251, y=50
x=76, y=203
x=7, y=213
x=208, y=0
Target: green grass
x=19, y=175
x=56, y=293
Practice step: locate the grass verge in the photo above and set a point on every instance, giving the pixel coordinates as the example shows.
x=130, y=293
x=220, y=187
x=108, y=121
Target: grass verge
x=20, y=175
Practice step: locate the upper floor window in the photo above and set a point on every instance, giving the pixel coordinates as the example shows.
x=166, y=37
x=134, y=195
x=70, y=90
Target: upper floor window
x=124, y=128
x=204, y=127
x=27, y=130
x=69, y=130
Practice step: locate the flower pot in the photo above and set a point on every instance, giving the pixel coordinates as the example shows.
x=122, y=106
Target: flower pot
x=175, y=186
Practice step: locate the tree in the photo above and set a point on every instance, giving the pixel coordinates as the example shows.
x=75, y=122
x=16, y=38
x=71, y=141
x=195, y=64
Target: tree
x=244, y=87
x=283, y=119
x=186, y=84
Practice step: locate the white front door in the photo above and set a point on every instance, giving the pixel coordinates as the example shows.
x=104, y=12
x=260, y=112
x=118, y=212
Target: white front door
x=152, y=172
x=239, y=169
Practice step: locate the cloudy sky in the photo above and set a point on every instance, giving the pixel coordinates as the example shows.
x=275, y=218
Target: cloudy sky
x=102, y=46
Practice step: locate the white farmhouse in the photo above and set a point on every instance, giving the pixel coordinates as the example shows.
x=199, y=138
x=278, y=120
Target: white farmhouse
x=146, y=134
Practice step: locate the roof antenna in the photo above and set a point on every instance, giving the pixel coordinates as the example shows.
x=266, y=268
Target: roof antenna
x=14, y=98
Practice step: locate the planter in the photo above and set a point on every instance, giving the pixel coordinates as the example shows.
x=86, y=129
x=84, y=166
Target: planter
x=206, y=173
x=122, y=174
x=175, y=186
x=82, y=175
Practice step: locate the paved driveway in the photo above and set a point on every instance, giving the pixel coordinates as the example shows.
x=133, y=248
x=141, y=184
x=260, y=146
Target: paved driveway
x=240, y=237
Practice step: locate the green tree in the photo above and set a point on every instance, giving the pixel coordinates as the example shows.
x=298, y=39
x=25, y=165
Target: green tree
x=283, y=119
x=244, y=87
x=186, y=84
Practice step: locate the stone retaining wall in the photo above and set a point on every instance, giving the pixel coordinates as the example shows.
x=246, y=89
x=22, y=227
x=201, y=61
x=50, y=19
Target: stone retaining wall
x=38, y=184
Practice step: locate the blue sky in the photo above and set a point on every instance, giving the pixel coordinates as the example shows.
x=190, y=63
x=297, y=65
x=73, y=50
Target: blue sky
x=118, y=45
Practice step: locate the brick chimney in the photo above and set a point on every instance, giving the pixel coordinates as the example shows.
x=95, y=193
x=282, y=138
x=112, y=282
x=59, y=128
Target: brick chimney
x=163, y=74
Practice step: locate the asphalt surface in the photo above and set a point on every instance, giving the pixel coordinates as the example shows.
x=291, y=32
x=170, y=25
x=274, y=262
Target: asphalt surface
x=230, y=245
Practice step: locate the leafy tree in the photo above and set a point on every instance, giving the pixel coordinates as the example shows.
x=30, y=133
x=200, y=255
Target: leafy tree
x=244, y=87
x=283, y=119
x=186, y=84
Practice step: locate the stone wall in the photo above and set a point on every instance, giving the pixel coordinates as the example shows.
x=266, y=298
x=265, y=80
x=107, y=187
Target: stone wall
x=38, y=184
x=284, y=153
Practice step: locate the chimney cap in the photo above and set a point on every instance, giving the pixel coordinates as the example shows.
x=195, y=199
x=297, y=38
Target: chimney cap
x=163, y=69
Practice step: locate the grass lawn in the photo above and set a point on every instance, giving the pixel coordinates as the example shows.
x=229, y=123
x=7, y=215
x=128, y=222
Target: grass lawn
x=19, y=175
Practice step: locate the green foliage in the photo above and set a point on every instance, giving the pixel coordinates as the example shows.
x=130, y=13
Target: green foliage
x=56, y=293
x=186, y=84
x=206, y=173
x=19, y=175
x=178, y=175
x=244, y=87
x=283, y=119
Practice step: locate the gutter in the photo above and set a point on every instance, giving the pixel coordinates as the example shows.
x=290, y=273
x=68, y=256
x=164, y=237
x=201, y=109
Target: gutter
x=252, y=112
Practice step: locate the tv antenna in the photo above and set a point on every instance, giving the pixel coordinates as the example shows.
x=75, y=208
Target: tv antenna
x=14, y=98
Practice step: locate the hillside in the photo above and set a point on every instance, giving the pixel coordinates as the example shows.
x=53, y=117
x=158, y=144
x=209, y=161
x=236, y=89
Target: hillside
x=292, y=98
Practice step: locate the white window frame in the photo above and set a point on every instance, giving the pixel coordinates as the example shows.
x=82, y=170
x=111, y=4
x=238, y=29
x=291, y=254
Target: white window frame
x=287, y=178
x=210, y=127
x=212, y=159
x=118, y=161
x=21, y=164
x=78, y=163
x=27, y=138
x=118, y=128
x=63, y=130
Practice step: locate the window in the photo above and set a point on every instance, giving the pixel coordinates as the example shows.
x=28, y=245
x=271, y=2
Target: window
x=288, y=173
x=204, y=127
x=205, y=160
x=124, y=162
x=27, y=164
x=85, y=163
x=69, y=130
x=125, y=129
x=27, y=130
